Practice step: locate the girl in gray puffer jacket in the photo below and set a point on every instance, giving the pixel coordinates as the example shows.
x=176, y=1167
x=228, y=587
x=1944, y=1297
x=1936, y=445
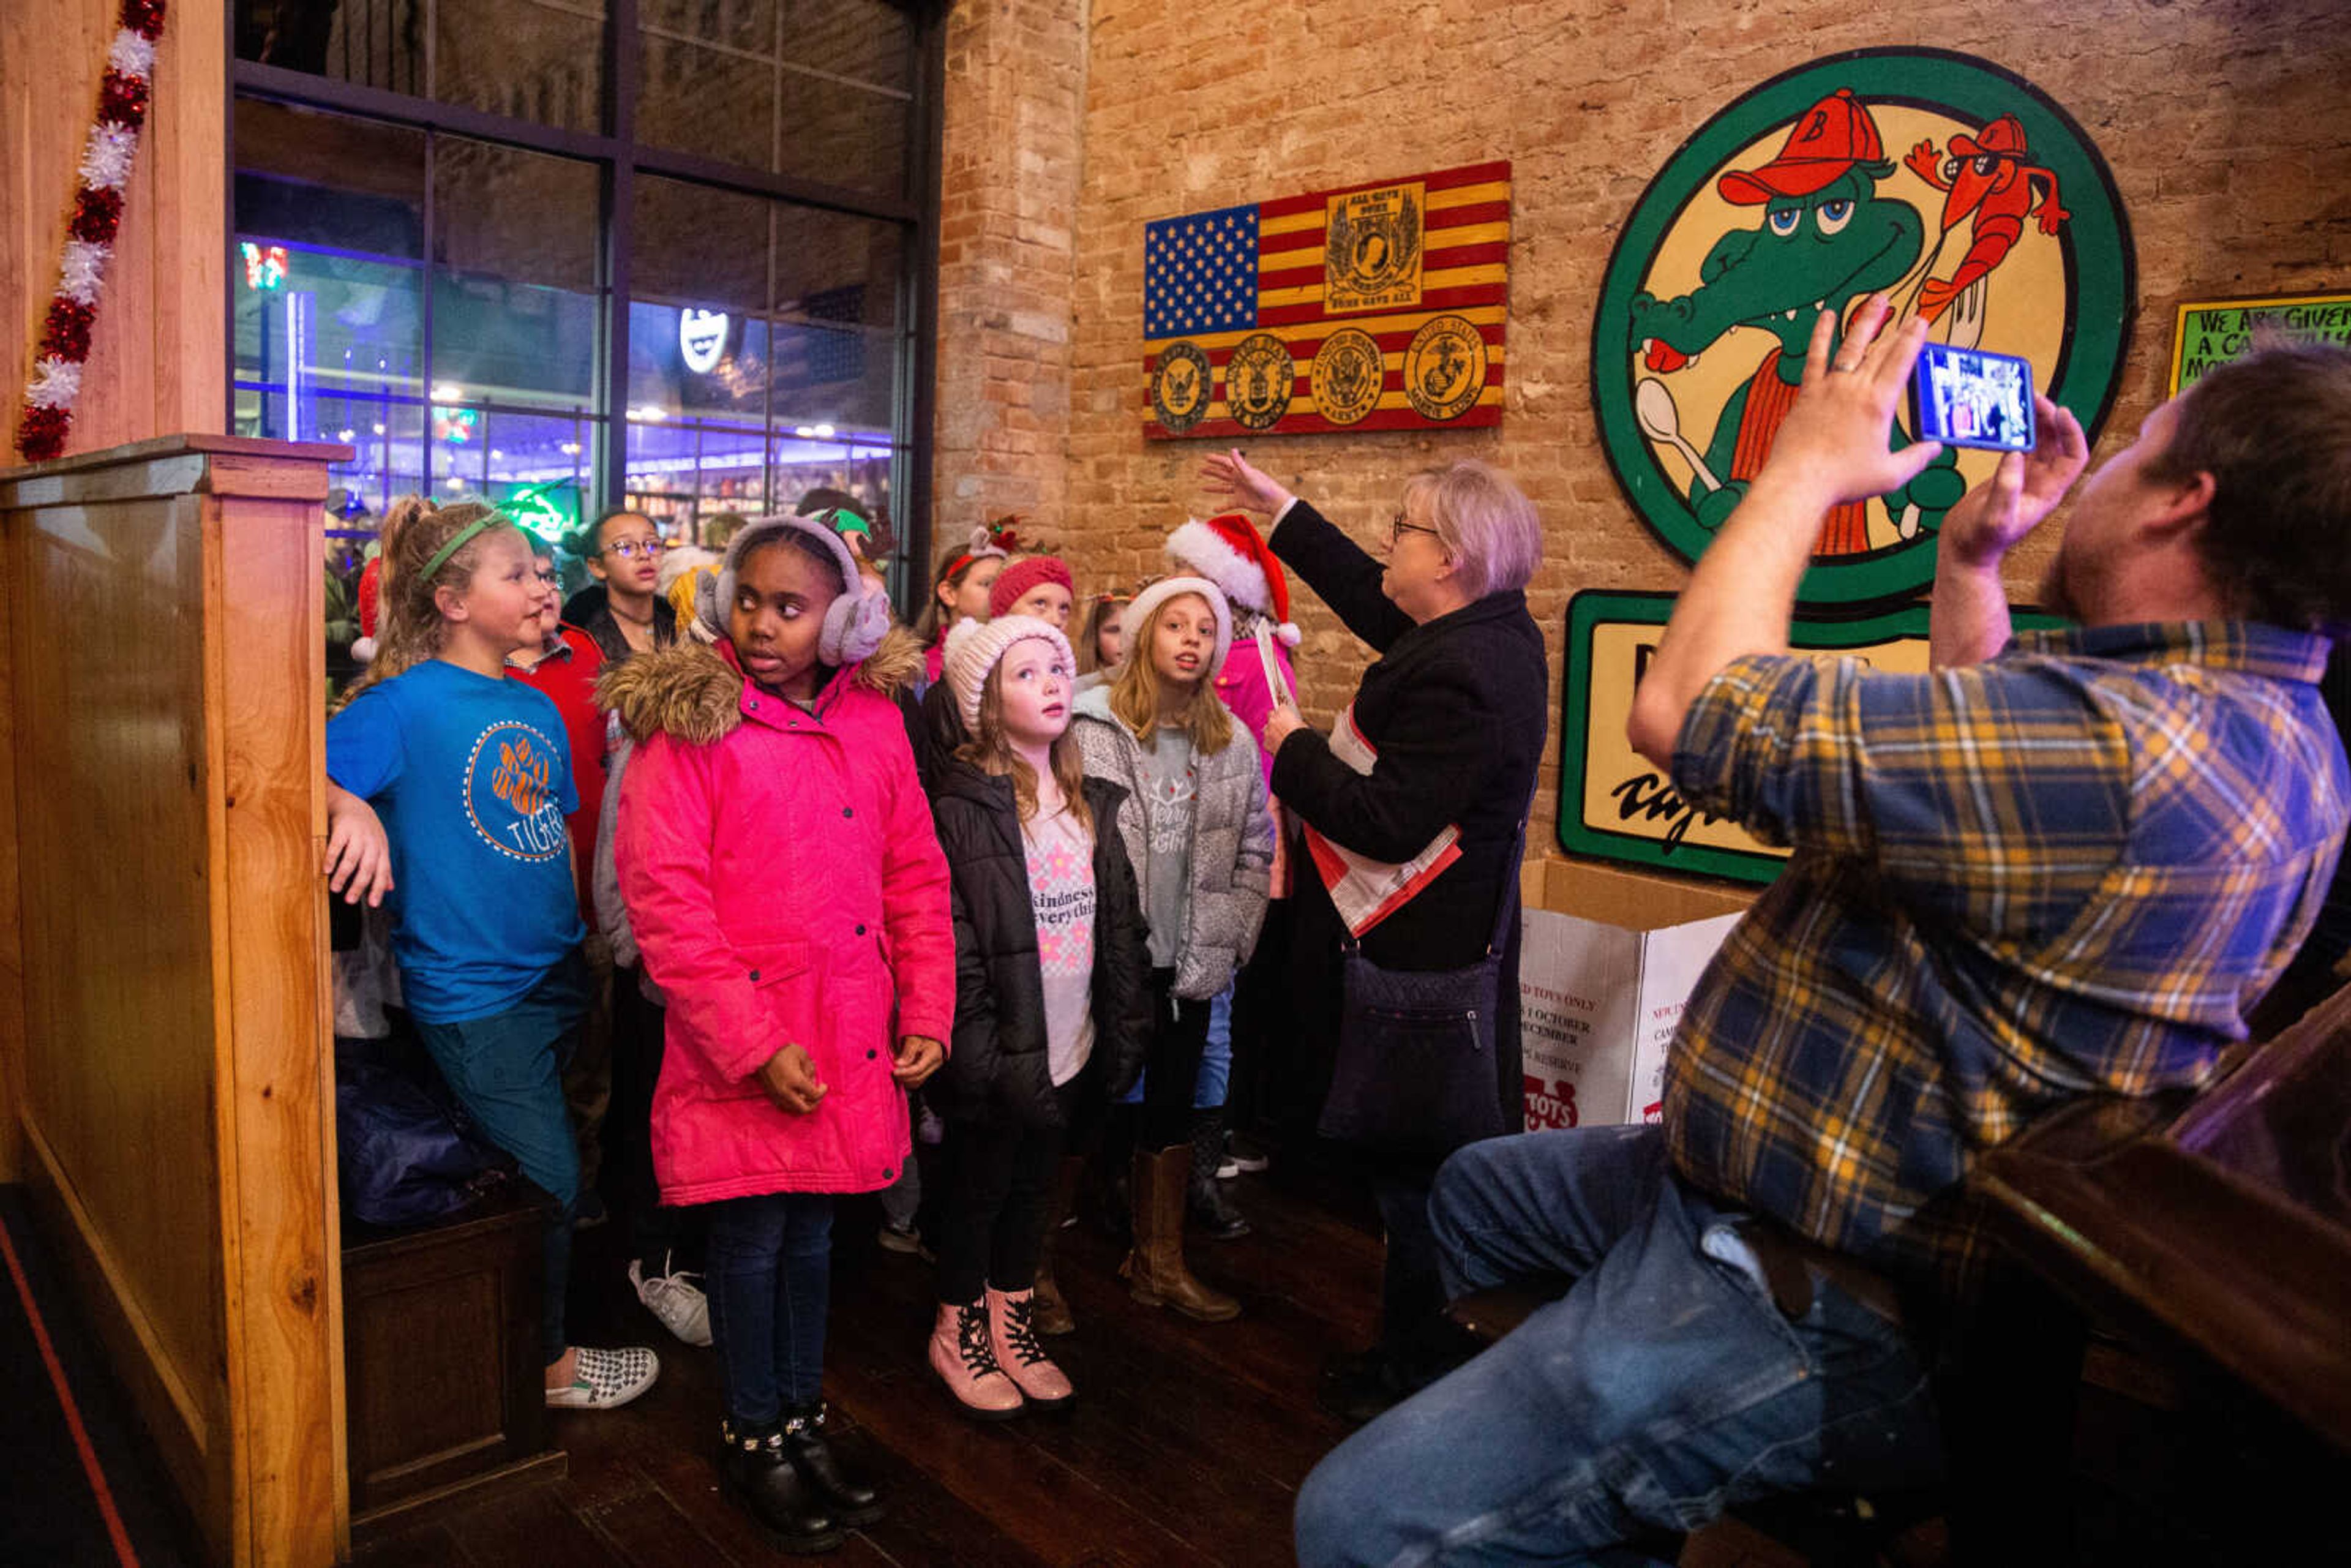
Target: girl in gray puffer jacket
x=1201, y=840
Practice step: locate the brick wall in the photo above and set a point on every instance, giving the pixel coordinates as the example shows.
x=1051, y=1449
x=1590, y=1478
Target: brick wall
x=2219, y=120
x=1015, y=133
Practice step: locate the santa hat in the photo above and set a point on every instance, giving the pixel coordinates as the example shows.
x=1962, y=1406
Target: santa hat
x=370, y=596
x=1014, y=582
x=1227, y=550
x=1147, y=603
x=974, y=646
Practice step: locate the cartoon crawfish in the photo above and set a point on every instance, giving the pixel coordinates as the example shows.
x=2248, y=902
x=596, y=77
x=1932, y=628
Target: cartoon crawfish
x=1985, y=174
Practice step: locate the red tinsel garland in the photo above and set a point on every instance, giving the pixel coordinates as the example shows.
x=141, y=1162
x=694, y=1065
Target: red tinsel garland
x=122, y=98
x=68, y=334
x=97, y=214
x=124, y=95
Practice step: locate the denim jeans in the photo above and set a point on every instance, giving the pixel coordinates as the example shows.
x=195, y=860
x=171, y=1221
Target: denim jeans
x=769, y=1281
x=1211, y=1080
x=507, y=1072
x=1663, y=1387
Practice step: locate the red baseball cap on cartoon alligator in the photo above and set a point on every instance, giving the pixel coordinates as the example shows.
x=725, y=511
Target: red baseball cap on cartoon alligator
x=1832, y=136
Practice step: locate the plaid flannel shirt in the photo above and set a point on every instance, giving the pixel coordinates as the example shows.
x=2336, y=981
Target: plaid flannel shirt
x=2068, y=871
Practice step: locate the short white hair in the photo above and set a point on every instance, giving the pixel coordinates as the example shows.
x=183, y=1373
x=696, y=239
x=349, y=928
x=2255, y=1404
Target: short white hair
x=1484, y=522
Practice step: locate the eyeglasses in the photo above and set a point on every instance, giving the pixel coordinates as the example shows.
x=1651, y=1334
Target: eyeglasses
x=629, y=549
x=1398, y=527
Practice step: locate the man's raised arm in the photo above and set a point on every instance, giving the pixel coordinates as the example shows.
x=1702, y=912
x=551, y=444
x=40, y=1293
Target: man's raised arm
x=1832, y=449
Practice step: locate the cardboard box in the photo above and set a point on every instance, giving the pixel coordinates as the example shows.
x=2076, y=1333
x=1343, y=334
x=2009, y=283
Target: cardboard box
x=1599, y=1004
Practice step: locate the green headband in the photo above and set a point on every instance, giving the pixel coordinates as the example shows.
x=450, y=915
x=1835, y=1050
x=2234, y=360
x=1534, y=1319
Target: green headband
x=441, y=557
x=845, y=521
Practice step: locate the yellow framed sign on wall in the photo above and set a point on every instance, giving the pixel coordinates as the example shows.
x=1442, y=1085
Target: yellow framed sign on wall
x=2210, y=332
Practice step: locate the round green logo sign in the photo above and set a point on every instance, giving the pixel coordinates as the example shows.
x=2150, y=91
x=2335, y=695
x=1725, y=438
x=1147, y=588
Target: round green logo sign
x=1952, y=183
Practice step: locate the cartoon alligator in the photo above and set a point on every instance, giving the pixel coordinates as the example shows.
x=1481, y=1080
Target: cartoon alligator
x=1827, y=238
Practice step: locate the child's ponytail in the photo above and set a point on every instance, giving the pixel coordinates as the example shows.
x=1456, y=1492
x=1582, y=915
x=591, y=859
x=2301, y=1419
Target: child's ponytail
x=414, y=532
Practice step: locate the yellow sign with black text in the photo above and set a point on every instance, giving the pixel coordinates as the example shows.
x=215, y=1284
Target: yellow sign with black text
x=1616, y=805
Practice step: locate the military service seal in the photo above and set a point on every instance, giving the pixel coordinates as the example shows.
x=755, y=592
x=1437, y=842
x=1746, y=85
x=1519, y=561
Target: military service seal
x=1346, y=376
x=1179, y=387
x=1445, y=369
x=1258, y=381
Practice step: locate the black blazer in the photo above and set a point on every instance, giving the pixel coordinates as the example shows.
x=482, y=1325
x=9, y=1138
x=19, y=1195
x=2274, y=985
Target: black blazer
x=1458, y=710
x=998, y=1071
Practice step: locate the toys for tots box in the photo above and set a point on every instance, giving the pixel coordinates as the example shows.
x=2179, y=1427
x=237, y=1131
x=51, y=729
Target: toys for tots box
x=1598, y=1007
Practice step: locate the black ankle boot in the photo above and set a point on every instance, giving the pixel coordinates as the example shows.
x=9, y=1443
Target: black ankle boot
x=851, y=1500
x=756, y=1472
x=1211, y=1212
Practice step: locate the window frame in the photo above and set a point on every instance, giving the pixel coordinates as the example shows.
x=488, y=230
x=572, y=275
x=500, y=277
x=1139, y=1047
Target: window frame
x=619, y=158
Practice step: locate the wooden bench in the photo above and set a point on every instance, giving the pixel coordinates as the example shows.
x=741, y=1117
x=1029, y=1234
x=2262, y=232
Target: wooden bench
x=441, y=1363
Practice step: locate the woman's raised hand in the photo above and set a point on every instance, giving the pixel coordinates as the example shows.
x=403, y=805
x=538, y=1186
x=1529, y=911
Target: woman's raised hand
x=1230, y=474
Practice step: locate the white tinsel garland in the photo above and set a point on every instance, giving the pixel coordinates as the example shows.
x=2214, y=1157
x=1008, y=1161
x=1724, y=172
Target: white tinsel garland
x=107, y=157
x=56, y=384
x=45, y=421
x=133, y=55
x=81, y=269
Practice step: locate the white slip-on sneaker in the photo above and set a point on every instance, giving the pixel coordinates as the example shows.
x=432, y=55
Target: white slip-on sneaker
x=606, y=1379
x=677, y=1300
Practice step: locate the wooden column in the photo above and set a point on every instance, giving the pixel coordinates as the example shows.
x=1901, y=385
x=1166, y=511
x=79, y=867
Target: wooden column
x=158, y=354
x=165, y=1015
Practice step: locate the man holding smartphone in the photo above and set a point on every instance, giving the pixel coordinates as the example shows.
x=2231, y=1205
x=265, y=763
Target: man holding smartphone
x=2059, y=865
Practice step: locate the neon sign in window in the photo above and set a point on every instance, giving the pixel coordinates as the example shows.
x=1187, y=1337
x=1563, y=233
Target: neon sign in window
x=264, y=266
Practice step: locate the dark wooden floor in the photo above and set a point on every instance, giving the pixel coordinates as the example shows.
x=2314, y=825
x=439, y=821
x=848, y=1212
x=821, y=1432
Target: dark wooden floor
x=1188, y=1441
x=1186, y=1445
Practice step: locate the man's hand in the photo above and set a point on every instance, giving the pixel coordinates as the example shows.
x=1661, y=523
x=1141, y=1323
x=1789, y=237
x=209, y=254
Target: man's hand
x=358, y=856
x=919, y=1057
x=1279, y=726
x=790, y=1080
x=1969, y=622
x=1833, y=444
x=2024, y=489
x=1228, y=474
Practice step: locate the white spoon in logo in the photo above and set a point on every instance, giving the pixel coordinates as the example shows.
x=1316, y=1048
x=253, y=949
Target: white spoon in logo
x=1653, y=405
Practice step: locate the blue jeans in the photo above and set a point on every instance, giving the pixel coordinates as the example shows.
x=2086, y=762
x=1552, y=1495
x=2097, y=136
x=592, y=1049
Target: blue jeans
x=506, y=1070
x=1663, y=1387
x=770, y=1281
x=1215, y=1076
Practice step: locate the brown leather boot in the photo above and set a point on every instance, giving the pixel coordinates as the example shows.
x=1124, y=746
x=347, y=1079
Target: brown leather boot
x=1154, y=1270
x=1052, y=1317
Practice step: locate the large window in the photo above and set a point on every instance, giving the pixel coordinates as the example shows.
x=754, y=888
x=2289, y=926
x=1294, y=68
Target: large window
x=574, y=254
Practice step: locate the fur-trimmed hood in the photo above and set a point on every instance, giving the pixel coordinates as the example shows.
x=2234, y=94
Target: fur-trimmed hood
x=694, y=692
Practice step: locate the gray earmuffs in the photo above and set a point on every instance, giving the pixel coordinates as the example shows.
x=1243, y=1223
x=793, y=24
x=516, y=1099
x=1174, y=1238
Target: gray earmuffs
x=854, y=624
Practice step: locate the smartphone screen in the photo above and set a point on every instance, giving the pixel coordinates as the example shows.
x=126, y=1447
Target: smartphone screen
x=1969, y=397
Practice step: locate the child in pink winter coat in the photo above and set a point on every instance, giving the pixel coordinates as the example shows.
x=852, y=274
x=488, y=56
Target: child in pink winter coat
x=788, y=895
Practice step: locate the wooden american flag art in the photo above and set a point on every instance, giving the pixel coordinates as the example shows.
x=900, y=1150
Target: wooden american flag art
x=1373, y=307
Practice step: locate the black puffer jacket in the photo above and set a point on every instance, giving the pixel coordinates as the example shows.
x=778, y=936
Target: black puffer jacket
x=997, y=1069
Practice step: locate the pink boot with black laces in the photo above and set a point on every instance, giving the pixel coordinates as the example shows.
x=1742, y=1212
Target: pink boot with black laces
x=1012, y=1334
x=964, y=1359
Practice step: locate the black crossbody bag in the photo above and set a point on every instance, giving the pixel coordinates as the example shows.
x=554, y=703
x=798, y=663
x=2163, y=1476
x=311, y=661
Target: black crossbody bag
x=1416, y=1063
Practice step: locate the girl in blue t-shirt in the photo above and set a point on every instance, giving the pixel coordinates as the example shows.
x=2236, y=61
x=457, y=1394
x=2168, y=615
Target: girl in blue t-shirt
x=450, y=784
